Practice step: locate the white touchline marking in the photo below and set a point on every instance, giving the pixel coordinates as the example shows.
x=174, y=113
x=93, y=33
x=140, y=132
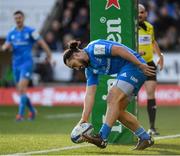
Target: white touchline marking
x=50, y=150
x=167, y=137
x=81, y=146
x=66, y=115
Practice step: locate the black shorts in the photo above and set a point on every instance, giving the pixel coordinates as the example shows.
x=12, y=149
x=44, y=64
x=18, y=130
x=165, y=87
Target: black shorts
x=149, y=78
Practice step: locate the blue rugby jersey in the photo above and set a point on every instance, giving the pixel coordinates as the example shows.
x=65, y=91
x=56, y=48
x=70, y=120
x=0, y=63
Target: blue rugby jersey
x=103, y=63
x=22, y=42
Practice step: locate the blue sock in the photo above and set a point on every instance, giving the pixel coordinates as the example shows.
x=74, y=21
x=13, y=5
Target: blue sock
x=22, y=104
x=30, y=106
x=105, y=131
x=142, y=134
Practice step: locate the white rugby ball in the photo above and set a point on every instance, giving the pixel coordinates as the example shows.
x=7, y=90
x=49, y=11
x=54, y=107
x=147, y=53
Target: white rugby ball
x=76, y=134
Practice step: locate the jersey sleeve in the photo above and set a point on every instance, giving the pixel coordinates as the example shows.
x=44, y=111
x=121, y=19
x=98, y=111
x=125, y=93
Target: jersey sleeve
x=35, y=35
x=91, y=78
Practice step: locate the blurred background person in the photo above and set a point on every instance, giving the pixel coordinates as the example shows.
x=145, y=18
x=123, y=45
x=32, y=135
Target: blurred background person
x=147, y=47
x=20, y=40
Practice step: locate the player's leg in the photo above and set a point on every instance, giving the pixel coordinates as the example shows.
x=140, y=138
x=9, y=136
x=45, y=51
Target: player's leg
x=131, y=122
x=124, y=87
x=21, y=86
x=115, y=96
x=128, y=119
x=21, y=107
x=26, y=73
x=117, y=103
x=150, y=86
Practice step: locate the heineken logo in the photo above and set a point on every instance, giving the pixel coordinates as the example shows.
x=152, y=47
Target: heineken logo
x=113, y=28
x=111, y=3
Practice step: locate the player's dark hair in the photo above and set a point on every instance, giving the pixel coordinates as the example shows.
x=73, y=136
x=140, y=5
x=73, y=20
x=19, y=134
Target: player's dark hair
x=18, y=12
x=73, y=47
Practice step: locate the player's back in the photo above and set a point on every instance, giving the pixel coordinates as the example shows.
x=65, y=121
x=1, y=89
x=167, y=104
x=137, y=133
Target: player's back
x=22, y=42
x=102, y=62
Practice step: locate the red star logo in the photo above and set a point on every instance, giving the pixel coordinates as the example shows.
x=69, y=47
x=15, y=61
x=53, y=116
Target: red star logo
x=111, y=3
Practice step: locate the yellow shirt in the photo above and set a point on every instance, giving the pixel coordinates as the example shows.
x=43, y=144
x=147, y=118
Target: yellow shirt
x=146, y=38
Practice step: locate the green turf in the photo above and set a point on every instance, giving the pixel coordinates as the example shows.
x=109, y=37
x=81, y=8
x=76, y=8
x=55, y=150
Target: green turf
x=167, y=119
x=53, y=125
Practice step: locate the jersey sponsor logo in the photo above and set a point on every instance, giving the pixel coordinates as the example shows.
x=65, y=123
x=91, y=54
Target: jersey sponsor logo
x=20, y=43
x=99, y=60
x=144, y=39
x=12, y=37
x=95, y=71
x=134, y=79
x=123, y=75
x=99, y=49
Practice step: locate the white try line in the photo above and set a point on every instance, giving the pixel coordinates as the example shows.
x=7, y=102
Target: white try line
x=80, y=146
x=61, y=116
x=50, y=150
x=166, y=137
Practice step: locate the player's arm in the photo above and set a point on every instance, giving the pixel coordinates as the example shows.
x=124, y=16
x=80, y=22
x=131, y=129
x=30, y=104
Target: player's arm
x=159, y=53
x=122, y=52
x=88, y=103
x=45, y=47
x=36, y=37
x=5, y=47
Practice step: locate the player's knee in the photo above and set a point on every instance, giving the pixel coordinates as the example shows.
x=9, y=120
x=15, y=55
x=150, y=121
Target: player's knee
x=21, y=90
x=113, y=98
x=151, y=95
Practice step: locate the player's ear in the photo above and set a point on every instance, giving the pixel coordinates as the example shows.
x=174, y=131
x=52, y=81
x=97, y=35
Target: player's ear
x=76, y=54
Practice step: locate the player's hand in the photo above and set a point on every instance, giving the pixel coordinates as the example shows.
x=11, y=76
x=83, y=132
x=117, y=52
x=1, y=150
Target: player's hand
x=161, y=62
x=147, y=70
x=81, y=121
x=48, y=58
x=142, y=53
x=2, y=49
x=50, y=61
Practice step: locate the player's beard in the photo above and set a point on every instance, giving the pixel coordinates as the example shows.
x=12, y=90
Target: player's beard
x=85, y=64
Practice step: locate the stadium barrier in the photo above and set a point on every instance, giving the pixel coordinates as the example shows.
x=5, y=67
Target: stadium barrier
x=51, y=96
x=167, y=95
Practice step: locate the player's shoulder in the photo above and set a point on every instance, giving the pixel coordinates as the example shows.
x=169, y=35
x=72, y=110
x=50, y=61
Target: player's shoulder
x=29, y=28
x=99, y=42
x=149, y=25
x=90, y=45
x=12, y=30
x=94, y=42
x=93, y=45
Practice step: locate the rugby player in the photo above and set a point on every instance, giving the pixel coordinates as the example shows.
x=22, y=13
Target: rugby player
x=20, y=40
x=102, y=57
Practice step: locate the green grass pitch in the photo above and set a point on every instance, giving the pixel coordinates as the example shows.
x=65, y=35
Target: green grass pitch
x=49, y=133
